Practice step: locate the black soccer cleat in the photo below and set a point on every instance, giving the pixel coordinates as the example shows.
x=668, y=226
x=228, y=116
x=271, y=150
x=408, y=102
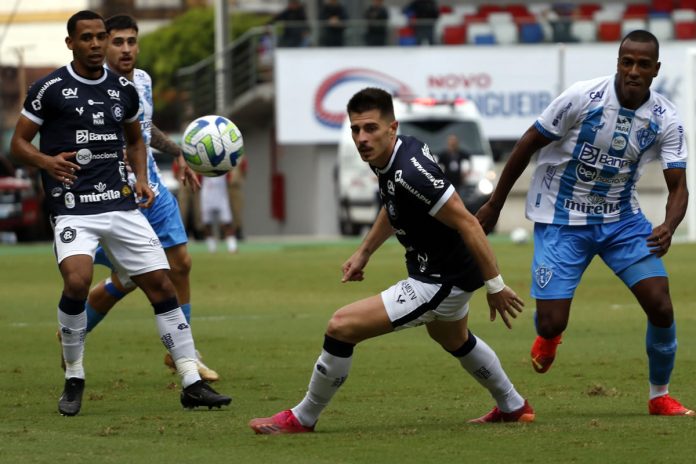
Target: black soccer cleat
x=71, y=400
x=202, y=394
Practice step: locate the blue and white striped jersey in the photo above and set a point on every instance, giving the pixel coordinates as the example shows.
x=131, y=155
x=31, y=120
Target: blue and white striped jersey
x=588, y=174
x=143, y=84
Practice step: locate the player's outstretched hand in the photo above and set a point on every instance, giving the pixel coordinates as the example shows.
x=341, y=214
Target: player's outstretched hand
x=487, y=216
x=188, y=177
x=60, y=168
x=660, y=240
x=507, y=303
x=353, y=268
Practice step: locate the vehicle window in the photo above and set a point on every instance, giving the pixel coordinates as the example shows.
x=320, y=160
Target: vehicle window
x=434, y=132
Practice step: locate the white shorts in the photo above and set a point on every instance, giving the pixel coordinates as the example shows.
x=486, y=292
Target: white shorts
x=411, y=303
x=215, y=200
x=128, y=239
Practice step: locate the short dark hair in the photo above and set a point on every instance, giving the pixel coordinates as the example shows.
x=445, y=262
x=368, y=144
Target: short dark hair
x=120, y=22
x=640, y=35
x=372, y=98
x=83, y=15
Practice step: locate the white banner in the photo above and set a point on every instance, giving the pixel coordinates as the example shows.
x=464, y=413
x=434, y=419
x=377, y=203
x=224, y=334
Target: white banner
x=511, y=85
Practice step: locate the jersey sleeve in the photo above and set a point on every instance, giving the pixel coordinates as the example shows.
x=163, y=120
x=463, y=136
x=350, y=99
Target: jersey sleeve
x=132, y=107
x=35, y=104
x=558, y=118
x=673, y=152
x=424, y=181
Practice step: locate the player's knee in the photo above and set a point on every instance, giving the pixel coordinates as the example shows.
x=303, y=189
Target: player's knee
x=341, y=328
x=76, y=284
x=180, y=268
x=156, y=285
x=661, y=314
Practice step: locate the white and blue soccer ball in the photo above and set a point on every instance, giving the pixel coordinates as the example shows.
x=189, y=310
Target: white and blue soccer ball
x=212, y=145
x=519, y=235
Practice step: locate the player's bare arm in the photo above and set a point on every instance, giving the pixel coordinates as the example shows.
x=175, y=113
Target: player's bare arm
x=137, y=159
x=677, y=200
x=166, y=145
x=501, y=299
x=381, y=230
x=59, y=167
x=530, y=142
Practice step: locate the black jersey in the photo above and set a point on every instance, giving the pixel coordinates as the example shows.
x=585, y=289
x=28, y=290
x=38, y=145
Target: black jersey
x=85, y=116
x=413, y=189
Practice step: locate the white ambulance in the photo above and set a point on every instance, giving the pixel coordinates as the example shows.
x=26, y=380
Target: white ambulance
x=430, y=121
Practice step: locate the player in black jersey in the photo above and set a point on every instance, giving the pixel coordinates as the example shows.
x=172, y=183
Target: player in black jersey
x=447, y=256
x=85, y=115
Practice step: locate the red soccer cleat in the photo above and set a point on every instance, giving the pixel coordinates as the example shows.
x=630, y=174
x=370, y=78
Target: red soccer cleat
x=283, y=422
x=665, y=405
x=524, y=414
x=544, y=352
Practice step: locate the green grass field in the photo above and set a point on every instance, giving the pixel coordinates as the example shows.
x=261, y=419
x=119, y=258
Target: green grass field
x=259, y=318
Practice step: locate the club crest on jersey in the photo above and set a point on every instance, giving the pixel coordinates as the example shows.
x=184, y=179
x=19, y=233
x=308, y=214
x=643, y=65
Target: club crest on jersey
x=68, y=235
x=543, y=275
x=646, y=137
x=117, y=112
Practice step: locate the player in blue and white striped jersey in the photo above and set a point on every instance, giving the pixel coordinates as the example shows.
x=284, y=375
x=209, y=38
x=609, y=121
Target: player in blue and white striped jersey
x=594, y=142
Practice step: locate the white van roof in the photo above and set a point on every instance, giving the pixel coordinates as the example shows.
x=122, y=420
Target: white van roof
x=430, y=108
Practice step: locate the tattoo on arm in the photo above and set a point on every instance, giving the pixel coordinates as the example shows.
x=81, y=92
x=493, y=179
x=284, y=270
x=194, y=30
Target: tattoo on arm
x=163, y=143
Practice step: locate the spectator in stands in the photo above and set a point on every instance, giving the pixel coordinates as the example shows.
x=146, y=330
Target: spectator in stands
x=294, y=21
x=333, y=23
x=423, y=14
x=376, y=16
x=560, y=16
x=455, y=163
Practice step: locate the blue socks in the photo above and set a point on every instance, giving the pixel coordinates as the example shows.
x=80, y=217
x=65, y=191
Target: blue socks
x=661, y=346
x=186, y=308
x=93, y=317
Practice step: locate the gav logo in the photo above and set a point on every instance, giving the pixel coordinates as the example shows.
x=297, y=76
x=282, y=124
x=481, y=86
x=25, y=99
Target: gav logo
x=69, y=93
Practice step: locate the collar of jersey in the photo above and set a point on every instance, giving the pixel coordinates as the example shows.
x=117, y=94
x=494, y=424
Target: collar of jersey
x=391, y=158
x=81, y=79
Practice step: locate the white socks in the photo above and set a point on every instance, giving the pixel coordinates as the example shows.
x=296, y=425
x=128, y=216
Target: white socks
x=330, y=372
x=72, y=331
x=658, y=390
x=483, y=364
x=175, y=334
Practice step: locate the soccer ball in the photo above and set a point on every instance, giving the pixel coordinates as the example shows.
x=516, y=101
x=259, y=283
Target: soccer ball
x=519, y=235
x=212, y=145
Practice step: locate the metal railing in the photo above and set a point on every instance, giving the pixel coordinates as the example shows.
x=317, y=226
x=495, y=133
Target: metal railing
x=248, y=63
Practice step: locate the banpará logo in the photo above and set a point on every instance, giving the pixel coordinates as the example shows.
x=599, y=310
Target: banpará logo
x=85, y=136
x=590, y=154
